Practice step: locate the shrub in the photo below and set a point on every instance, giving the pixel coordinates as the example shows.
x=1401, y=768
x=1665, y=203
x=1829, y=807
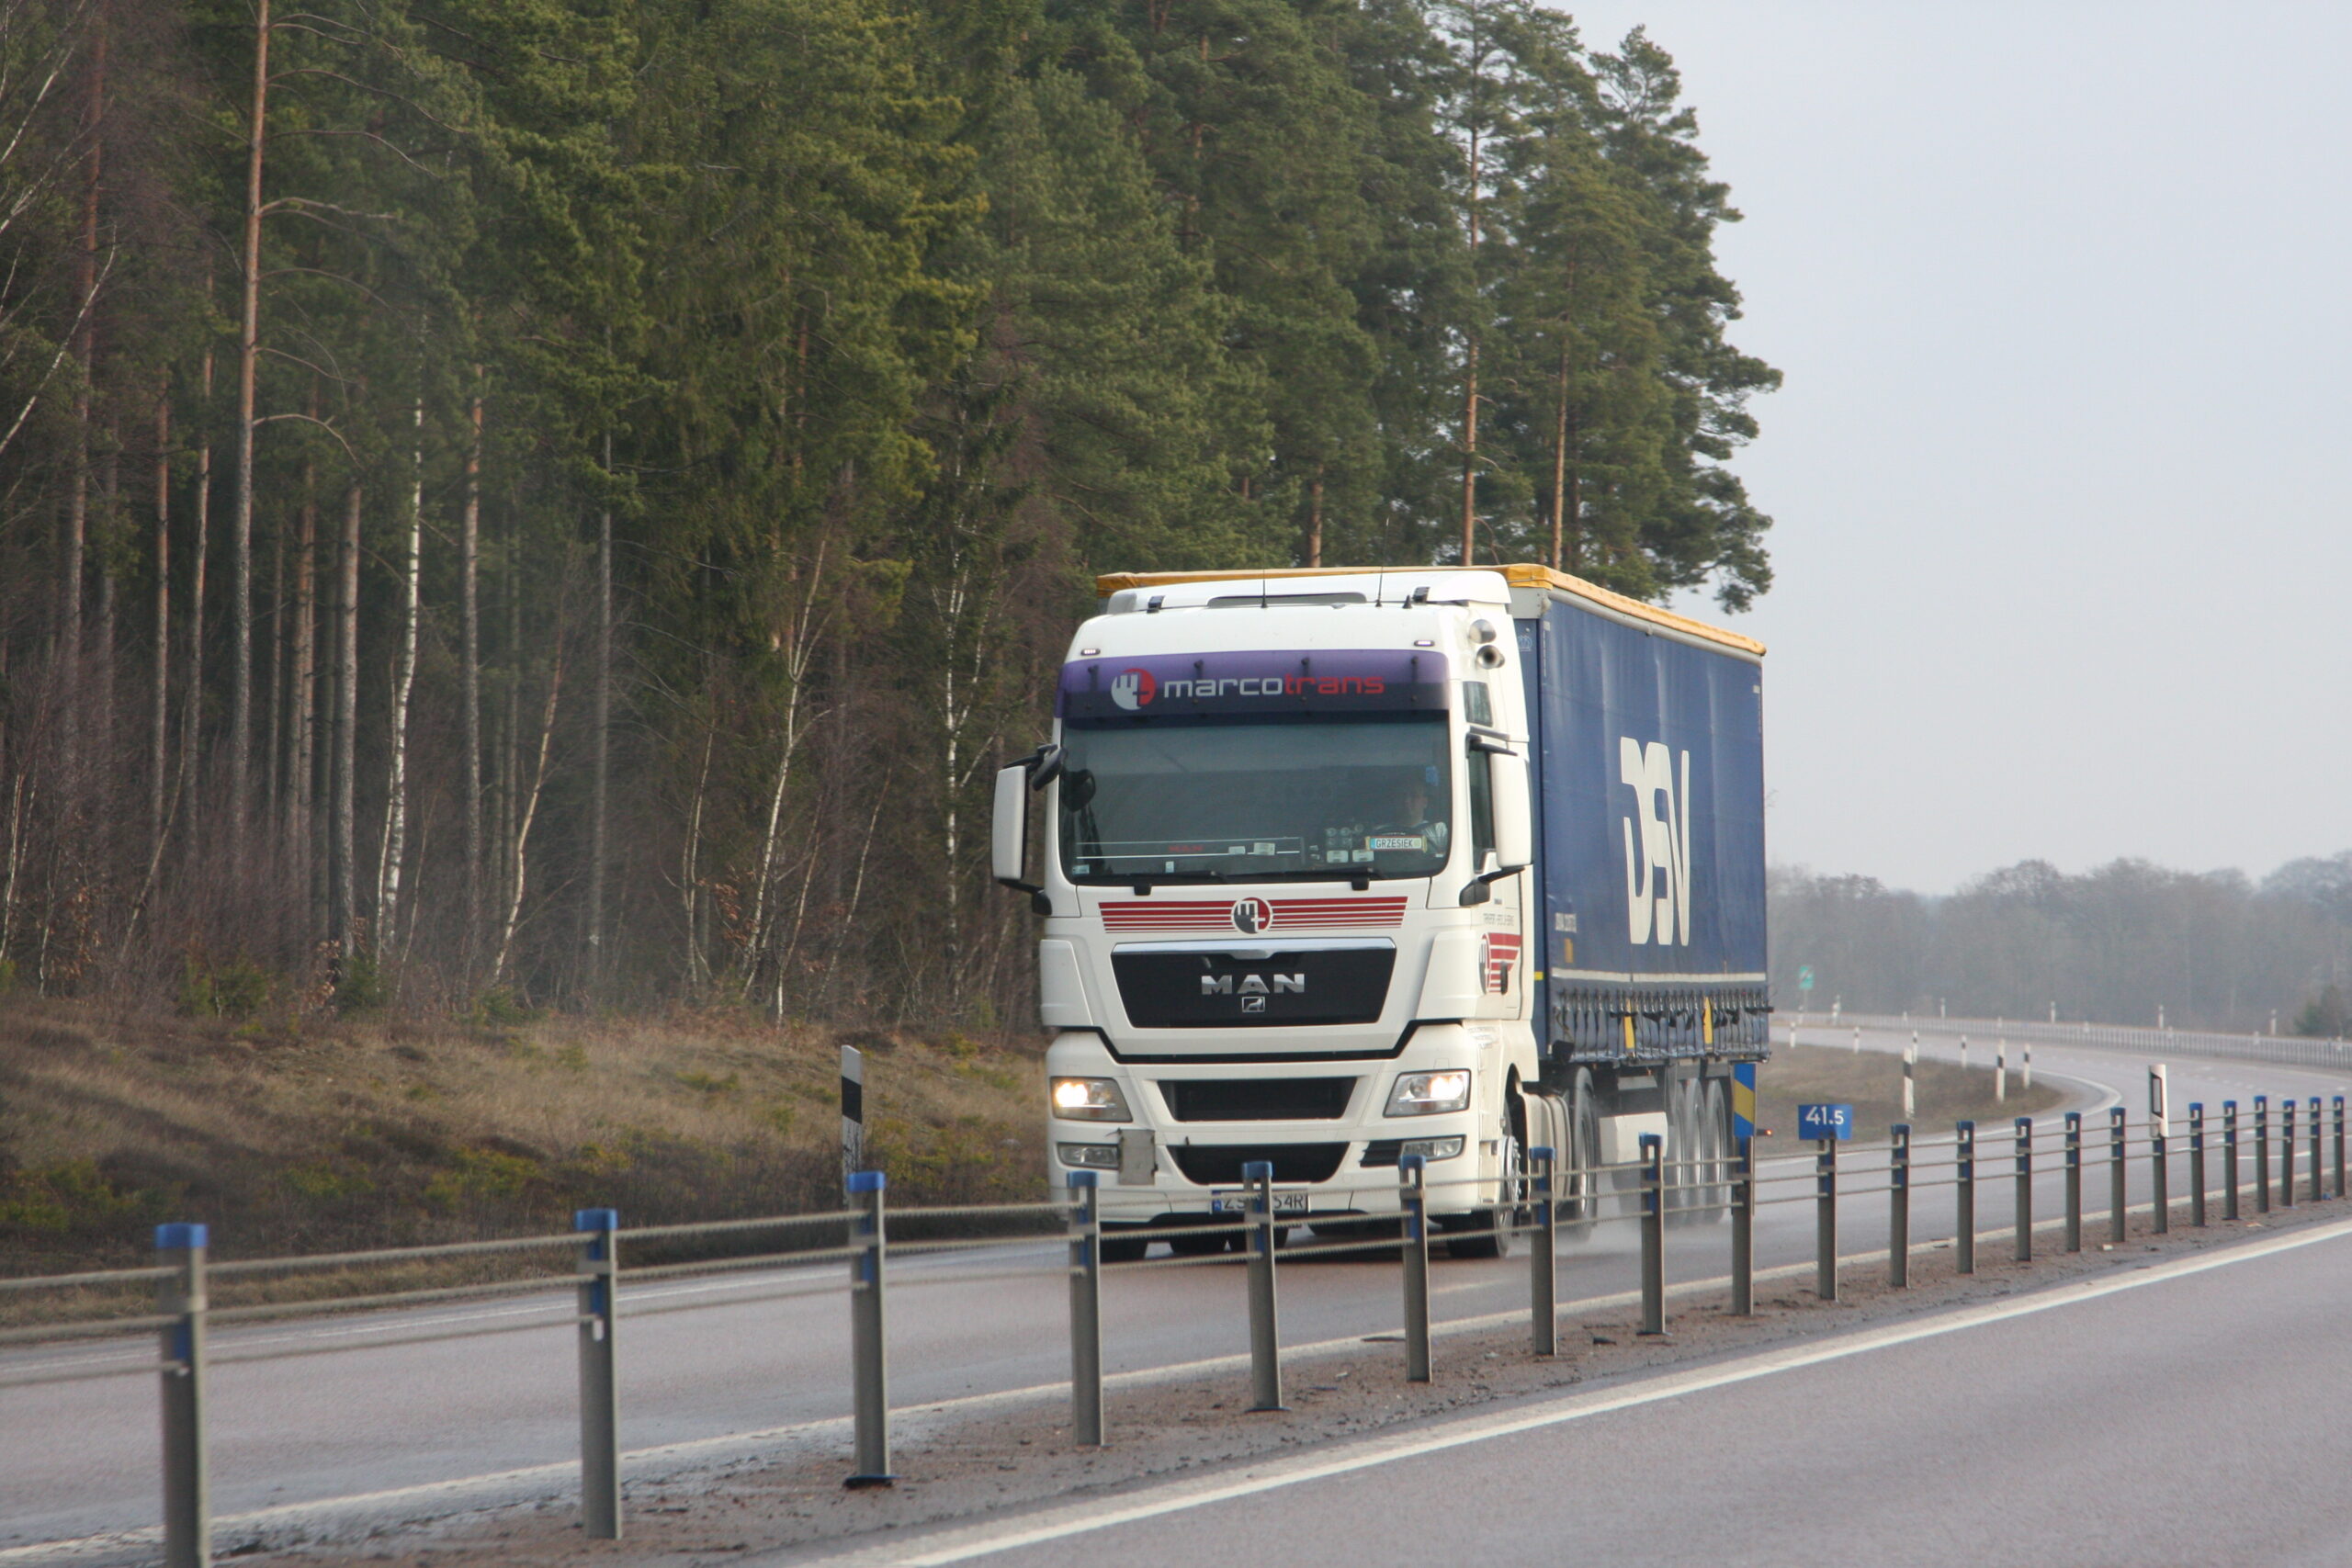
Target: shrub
x=237, y=989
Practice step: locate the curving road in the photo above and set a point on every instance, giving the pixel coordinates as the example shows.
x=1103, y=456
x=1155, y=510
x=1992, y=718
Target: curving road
x=78, y=1461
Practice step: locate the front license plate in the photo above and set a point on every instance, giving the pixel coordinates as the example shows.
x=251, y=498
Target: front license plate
x=1239, y=1202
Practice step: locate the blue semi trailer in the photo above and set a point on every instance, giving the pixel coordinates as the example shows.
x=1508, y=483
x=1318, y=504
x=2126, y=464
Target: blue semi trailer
x=1338, y=866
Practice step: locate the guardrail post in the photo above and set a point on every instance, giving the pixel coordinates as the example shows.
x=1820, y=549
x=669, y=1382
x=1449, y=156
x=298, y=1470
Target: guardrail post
x=2287, y=1153
x=600, y=1398
x=2319, y=1175
x=1412, y=1200
x=2261, y=1154
x=2196, y=1163
x=2229, y=1160
x=2339, y=1146
x=1652, y=1234
x=1963, y=1190
x=1825, y=1221
x=2159, y=1177
x=1544, y=1255
x=2073, y=1181
x=187, y=1467
x=1898, y=1207
x=1743, y=1232
x=1265, y=1350
x=2023, y=1128
x=2119, y=1134
x=1086, y=1309
x=868, y=1334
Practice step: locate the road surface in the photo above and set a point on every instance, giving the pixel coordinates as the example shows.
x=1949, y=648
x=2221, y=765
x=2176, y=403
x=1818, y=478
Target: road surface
x=79, y=1459
x=2184, y=1415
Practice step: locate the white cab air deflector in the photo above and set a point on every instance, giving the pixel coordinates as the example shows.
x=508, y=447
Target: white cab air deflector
x=1446, y=586
x=1062, y=990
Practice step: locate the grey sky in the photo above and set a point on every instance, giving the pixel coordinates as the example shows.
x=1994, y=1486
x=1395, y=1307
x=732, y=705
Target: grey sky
x=2060, y=468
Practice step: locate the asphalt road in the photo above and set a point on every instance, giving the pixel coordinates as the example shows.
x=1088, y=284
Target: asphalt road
x=78, y=1460
x=2185, y=1414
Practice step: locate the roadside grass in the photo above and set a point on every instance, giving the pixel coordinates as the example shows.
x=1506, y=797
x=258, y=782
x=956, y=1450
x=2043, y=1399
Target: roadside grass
x=294, y=1133
x=1872, y=1082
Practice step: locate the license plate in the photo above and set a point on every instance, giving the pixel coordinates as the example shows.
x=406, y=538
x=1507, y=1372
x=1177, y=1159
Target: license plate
x=1239, y=1202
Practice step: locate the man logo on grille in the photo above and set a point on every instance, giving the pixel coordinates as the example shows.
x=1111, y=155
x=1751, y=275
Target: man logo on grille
x=1251, y=915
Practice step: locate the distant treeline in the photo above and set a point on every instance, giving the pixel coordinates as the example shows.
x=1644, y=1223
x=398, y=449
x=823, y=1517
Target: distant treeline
x=2213, y=950
x=570, y=500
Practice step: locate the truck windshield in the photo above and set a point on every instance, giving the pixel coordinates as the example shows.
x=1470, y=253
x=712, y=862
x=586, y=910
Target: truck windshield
x=1244, y=800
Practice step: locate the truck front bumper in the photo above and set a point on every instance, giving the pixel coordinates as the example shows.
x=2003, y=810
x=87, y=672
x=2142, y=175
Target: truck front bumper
x=1333, y=1166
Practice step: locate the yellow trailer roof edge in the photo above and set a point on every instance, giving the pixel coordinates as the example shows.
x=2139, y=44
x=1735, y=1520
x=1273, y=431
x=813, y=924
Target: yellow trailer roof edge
x=1522, y=574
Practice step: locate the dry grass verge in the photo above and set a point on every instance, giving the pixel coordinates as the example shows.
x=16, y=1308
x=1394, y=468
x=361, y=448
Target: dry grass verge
x=304, y=1135
x=1872, y=1082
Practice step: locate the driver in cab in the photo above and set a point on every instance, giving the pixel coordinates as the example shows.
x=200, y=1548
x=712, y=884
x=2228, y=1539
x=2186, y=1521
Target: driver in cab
x=1406, y=828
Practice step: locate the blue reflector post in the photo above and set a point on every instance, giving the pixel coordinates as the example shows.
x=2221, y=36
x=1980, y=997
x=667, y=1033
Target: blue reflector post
x=173, y=1237
x=865, y=1181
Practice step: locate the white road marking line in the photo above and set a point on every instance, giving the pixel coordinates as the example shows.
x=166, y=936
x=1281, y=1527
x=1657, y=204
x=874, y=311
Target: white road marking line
x=1056, y=1523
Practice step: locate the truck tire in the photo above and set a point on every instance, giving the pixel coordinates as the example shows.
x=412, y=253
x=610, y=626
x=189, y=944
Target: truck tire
x=1585, y=1184
x=1714, y=1121
x=1125, y=1243
x=1493, y=1240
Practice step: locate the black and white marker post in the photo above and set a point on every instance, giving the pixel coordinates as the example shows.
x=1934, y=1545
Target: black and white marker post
x=853, y=1113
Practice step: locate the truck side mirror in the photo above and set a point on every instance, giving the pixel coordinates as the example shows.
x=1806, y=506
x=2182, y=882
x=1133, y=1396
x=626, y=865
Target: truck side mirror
x=1514, y=829
x=1515, y=848
x=1009, y=851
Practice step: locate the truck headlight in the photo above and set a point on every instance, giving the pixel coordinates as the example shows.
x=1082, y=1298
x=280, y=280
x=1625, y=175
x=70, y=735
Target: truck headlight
x=1105, y=1157
x=1426, y=1094
x=1089, y=1099
x=1428, y=1148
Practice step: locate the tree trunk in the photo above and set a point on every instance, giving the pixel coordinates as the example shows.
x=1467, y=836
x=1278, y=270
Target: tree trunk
x=240, y=519
x=601, y=785
x=387, y=889
x=522, y=823
x=1560, y=463
x=690, y=872
x=510, y=748
x=343, y=859
x=469, y=602
x=78, y=502
x=302, y=740
x=1314, y=519
x=1470, y=372
x=274, y=749
x=1470, y=452
x=192, y=719
x=159, y=720
x=102, y=683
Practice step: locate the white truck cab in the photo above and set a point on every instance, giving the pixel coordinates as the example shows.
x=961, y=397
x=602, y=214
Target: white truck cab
x=1282, y=851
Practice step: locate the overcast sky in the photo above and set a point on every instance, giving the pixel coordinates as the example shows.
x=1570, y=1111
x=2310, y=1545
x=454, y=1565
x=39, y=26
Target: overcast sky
x=2060, y=470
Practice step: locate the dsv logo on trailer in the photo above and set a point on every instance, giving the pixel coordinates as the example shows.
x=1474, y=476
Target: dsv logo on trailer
x=1658, y=850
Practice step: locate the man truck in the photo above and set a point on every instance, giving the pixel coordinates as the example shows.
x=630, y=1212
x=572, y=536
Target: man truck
x=1336, y=867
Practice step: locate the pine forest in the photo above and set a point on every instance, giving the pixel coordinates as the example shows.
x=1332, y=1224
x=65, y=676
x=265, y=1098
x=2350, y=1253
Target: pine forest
x=566, y=502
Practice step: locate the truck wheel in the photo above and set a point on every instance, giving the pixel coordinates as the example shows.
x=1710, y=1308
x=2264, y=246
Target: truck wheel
x=1715, y=1123
x=1584, y=1184
x=1124, y=1244
x=1496, y=1241
x=1681, y=1122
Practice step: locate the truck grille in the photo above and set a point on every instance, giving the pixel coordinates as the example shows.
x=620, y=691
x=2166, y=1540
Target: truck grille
x=1224, y=991
x=1257, y=1099
x=1219, y=1165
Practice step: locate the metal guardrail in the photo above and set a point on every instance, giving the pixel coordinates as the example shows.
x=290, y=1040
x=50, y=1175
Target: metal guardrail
x=1734, y=1187
x=2287, y=1049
